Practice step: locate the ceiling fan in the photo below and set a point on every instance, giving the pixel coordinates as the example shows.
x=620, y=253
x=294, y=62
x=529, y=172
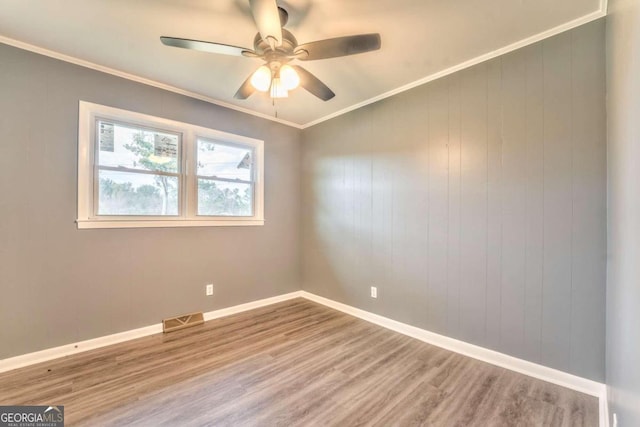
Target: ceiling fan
x=277, y=47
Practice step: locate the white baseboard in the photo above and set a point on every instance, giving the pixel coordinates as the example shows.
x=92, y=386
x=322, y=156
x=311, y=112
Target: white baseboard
x=250, y=305
x=573, y=382
x=531, y=369
x=79, y=347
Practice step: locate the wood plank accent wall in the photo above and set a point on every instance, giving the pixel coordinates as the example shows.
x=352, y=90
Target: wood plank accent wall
x=475, y=203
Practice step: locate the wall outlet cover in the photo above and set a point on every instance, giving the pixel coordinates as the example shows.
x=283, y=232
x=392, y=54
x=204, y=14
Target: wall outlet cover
x=209, y=289
x=374, y=292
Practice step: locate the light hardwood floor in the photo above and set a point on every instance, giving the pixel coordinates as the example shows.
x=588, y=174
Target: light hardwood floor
x=293, y=363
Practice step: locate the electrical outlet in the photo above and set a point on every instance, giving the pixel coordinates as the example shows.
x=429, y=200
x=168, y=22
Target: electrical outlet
x=209, y=289
x=374, y=292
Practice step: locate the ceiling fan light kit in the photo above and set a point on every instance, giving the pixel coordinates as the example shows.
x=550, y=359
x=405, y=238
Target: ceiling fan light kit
x=261, y=79
x=278, y=82
x=277, y=47
x=278, y=90
x=289, y=77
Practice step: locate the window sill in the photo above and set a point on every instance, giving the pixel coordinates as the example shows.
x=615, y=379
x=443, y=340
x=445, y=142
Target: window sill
x=164, y=223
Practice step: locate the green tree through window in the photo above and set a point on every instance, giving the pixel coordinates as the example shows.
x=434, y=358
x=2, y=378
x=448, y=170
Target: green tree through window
x=118, y=198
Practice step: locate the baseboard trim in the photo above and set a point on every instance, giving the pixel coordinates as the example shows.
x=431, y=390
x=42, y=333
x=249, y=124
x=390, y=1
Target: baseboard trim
x=531, y=369
x=223, y=312
x=74, y=348
x=91, y=344
x=573, y=382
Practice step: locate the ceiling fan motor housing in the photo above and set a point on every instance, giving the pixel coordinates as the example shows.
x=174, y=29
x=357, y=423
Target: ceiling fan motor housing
x=289, y=43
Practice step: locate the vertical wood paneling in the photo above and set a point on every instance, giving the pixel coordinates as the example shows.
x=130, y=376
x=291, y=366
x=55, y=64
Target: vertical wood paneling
x=417, y=121
x=589, y=195
x=534, y=168
x=349, y=238
x=438, y=205
x=454, y=210
x=410, y=207
x=473, y=288
x=558, y=208
x=514, y=192
x=361, y=193
x=367, y=135
x=398, y=288
x=494, y=202
x=478, y=201
x=382, y=206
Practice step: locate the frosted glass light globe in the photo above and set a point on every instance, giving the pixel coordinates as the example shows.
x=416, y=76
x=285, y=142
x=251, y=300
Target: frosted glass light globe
x=261, y=79
x=289, y=78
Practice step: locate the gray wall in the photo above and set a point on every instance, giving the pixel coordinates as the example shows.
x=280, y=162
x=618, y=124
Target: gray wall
x=59, y=284
x=623, y=281
x=475, y=203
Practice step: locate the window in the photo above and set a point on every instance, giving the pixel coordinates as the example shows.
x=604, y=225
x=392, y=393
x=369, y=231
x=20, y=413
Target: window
x=136, y=170
x=225, y=184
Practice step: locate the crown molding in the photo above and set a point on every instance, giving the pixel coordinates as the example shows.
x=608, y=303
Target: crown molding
x=118, y=73
x=466, y=64
x=470, y=63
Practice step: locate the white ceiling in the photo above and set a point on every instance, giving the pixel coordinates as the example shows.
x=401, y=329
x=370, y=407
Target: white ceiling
x=420, y=38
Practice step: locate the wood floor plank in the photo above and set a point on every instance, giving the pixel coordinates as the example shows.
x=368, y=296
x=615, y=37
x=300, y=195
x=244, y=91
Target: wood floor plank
x=294, y=363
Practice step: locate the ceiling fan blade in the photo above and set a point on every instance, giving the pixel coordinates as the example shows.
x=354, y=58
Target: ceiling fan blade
x=246, y=89
x=223, y=49
x=313, y=84
x=340, y=46
x=267, y=17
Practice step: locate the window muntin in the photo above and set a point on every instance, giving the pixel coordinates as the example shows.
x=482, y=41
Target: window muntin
x=126, y=158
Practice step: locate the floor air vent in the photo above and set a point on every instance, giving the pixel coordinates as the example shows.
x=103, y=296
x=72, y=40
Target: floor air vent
x=181, y=322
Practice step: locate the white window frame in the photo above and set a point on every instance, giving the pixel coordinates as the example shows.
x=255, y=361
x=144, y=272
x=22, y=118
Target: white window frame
x=188, y=217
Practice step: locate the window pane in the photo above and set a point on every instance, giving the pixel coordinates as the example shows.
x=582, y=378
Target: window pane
x=137, y=148
x=224, y=161
x=127, y=193
x=221, y=198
